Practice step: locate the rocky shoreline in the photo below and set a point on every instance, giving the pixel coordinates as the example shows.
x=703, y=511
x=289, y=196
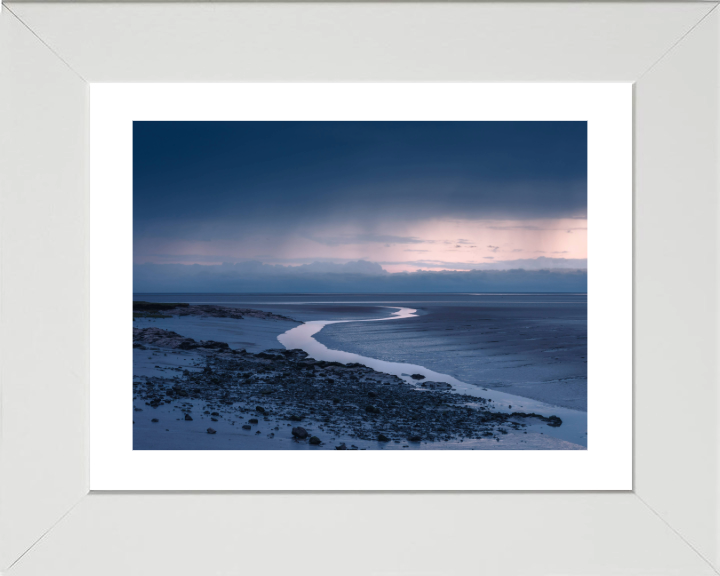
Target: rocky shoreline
x=320, y=401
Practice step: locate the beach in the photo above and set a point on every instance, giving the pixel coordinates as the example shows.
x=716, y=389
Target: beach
x=505, y=343
x=233, y=375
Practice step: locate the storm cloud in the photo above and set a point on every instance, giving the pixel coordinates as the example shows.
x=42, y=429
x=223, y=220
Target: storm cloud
x=299, y=205
x=351, y=278
x=225, y=176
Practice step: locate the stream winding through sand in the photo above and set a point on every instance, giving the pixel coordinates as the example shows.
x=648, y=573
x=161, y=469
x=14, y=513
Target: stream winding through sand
x=574, y=426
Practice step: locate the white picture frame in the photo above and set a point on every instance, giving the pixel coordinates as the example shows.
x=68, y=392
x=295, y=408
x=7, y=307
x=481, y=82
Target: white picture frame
x=606, y=464
x=50, y=523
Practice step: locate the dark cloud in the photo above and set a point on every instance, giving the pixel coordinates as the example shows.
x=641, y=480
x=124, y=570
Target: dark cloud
x=539, y=263
x=271, y=182
x=355, y=267
x=216, y=180
x=328, y=275
x=359, y=277
x=207, y=258
x=225, y=259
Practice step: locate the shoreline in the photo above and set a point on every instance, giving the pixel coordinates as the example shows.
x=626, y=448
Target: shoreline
x=350, y=404
x=304, y=338
x=516, y=350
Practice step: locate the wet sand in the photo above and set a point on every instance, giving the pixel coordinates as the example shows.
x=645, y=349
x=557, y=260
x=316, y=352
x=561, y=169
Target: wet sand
x=522, y=349
x=257, y=402
x=518, y=349
x=251, y=334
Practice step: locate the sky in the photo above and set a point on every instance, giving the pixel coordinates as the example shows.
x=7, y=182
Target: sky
x=217, y=200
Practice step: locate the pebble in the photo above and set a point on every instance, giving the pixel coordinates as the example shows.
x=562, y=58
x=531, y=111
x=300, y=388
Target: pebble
x=334, y=398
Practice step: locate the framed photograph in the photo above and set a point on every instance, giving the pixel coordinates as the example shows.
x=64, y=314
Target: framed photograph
x=280, y=232
x=405, y=211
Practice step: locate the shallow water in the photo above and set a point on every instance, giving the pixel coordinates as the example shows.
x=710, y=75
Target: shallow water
x=574, y=426
x=527, y=350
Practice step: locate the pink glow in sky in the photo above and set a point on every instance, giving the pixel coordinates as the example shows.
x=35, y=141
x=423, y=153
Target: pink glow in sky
x=433, y=244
